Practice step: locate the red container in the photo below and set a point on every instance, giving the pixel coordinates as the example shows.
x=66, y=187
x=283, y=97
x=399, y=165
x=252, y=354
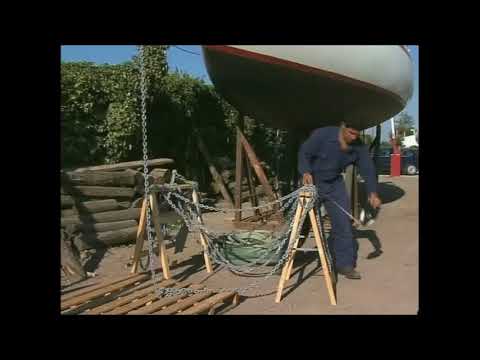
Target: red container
x=395, y=164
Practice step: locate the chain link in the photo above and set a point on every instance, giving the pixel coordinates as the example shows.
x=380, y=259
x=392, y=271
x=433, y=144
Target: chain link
x=306, y=188
x=143, y=89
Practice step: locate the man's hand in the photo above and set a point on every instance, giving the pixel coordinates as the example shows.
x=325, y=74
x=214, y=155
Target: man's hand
x=307, y=179
x=374, y=200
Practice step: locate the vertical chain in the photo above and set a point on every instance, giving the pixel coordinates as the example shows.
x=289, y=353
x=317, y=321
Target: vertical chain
x=143, y=89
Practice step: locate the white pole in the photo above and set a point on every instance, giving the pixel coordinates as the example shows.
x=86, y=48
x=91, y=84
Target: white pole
x=393, y=126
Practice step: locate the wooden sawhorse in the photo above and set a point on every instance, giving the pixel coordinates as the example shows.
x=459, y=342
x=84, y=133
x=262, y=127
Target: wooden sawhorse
x=305, y=199
x=158, y=230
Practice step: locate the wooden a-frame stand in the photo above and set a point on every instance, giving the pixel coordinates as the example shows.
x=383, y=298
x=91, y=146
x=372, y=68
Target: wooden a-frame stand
x=245, y=160
x=243, y=148
x=305, y=198
x=161, y=243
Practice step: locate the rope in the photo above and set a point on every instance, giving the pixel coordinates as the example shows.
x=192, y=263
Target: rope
x=187, y=51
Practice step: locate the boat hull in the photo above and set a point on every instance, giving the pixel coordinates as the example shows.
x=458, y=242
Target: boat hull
x=305, y=87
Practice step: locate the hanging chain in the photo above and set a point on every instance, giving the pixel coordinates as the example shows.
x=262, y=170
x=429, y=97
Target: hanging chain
x=143, y=89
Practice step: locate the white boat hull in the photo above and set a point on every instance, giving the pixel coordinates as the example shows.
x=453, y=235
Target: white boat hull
x=307, y=86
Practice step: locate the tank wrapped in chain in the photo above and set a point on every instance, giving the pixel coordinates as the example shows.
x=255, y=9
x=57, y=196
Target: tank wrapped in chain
x=243, y=252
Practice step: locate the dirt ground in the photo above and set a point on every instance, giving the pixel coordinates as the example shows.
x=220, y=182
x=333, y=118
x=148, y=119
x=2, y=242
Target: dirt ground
x=389, y=283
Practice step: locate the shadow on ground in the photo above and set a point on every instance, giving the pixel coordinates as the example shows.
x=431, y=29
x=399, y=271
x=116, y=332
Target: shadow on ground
x=371, y=236
x=387, y=191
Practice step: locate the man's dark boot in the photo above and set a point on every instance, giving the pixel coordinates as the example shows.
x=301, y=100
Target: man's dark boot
x=349, y=273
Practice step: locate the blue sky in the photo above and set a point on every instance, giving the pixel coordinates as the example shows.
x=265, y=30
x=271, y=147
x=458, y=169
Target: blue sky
x=193, y=64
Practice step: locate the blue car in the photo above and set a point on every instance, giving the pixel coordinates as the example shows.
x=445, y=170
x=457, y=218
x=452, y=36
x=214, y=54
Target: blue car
x=409, y=161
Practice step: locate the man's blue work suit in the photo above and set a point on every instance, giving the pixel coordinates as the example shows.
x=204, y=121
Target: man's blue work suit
x=322, y=156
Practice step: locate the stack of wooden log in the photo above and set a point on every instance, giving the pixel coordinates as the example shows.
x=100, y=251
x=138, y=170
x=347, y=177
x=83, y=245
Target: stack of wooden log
x=101, y=204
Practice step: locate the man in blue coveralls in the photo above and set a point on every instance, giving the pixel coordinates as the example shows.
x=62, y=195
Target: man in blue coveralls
x=321, y=159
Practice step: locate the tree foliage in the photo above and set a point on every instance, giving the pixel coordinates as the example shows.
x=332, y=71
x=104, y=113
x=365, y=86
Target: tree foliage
x=404, y=123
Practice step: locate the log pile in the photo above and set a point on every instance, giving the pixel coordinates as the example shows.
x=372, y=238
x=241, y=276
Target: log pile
x=101, y=204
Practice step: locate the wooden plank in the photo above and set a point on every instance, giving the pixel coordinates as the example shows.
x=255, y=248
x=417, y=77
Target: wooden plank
x=184, y=304
x=138, y=301
x=100, y=292
x=294, y=251
x=157, y=187
x=127, y=297
x=97, y=302
x=124, y=204
x=214, y=308
x=154, y=306
x=203, y=240
x=238, y=174
x=206, y=304
x=251, y=189
x=132, y=306
x=140, y=236
x=215, y=175
x=107, y=216
x=94, y=240
x=90, y=207
x=159, y=234
x=165, y=217
x=99, y=297
x=234, y=303
x=101, y=178
x=257, y=167
x=89, y=304
x=83, y=291
x=66, y=201
x=101, y=227
x=103, y=191
x=99, y=286
x=104, y=301
x=304, y=201
x=126, y=165
x=158, y=304
x=69, y=212
x=293, y=235
x=86, y=307
x=323, y=259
